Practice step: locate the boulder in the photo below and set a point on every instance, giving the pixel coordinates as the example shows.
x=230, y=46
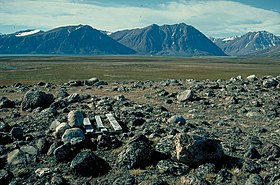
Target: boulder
x=136, y=155
x=75, y=118
x=29, y=150
x=60, y=129
x=252, y=78
x=63, y=153
x=177, y=119
x=172, y=167
x=185, y=96
x=75, y=97
x=35, y=98
x=91, y=82
x=6, y=103
x=192, y=149
x=16, y=157
x=17, y=132
x=192, y=179
x=254, y=179
x=5, y=176
x=73, y=135
x=86, y=163
x=270, y=82
x=125, y=180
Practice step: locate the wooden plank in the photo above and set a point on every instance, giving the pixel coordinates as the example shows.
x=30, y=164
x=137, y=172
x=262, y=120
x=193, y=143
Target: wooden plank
x=88, y=126
x=114, y=122
x=86, y=122
x=100, y=124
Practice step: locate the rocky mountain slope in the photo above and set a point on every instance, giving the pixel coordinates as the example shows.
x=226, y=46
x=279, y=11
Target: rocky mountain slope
x=173, y=132
x=178, y=39
x=249, y=44
x=80, y=39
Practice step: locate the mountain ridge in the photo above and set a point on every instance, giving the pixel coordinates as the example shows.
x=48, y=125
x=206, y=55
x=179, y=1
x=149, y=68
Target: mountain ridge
x=176, y=39
x=248, y=44
x=167, y=40
x=81, y=39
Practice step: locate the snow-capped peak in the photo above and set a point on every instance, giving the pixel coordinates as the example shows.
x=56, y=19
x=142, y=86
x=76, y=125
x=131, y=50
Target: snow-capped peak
x=230, y=38
x=80, y=26
x=26, y=33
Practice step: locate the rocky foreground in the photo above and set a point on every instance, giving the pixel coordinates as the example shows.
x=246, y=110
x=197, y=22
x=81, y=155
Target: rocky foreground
x=173, y=132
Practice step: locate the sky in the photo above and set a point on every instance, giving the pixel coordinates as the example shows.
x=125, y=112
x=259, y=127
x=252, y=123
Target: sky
x=215, y=18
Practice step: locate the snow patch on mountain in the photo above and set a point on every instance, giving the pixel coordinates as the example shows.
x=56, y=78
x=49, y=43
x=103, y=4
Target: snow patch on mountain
x=230, y=38
x=26, y=33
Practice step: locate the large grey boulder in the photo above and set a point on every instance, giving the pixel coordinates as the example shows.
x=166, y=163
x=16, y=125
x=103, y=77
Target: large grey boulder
x=73, y=135
x=75, y=118
x=192, y=149
x=185, y=95
x=35, y=98
x=16, y=157
x=86, y=163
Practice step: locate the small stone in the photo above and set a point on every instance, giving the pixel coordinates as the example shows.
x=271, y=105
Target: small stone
x=251, y=167
x=172, y=167
x=193, y=180
x=224, y=176
x=252, y=114
x=58, y=180
x=177, y=119
x=40, y=172
x=29, y=149
x=17, y=132
x=254, y=179
x=124, y=180
x=252, y=153
x=4, y=176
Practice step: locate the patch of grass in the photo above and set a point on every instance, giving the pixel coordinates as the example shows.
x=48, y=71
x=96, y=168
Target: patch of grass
x=136, y=172
x=30, y=70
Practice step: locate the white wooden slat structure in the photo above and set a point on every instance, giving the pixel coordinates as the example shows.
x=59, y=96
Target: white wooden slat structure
x=88, y=126
x=99, y=123
x=114, y=122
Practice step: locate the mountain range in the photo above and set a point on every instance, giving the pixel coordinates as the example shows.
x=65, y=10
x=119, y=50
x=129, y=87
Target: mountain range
x=249, y=44
x=177, y=39
x=81, y=39
x=173, y=40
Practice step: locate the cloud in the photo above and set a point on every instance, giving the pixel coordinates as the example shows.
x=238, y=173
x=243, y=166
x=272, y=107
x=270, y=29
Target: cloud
x=214, y=18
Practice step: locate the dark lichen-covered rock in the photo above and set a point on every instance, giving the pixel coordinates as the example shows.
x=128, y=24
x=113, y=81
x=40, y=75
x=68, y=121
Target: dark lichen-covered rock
x=192, y=149
x=35, y=98
x=86, y=163
x=136, y=155
x=6, y=103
